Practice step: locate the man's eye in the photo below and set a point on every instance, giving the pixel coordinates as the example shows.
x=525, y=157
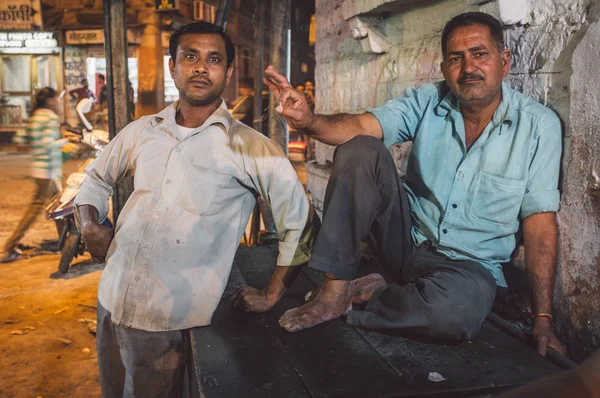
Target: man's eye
x=215, y=59
x=454, y=59
x=480, y=54
x=190, y=56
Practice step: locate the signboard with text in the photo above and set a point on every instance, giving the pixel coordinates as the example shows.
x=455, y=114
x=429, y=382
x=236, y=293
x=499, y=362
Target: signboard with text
x=20, y=15
x=28, y=39
x=96, y=36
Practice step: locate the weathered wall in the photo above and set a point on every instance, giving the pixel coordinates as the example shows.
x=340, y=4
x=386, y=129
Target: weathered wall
x=555, y=58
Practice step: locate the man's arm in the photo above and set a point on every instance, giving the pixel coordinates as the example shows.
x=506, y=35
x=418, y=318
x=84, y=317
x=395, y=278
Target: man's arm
x=540, y=233
x=581, y=382
x=297, y=225
x=97, y=237
x=91, y=203
x=330, y=129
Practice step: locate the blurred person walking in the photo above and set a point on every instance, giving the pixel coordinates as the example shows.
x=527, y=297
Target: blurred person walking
x=44, y=138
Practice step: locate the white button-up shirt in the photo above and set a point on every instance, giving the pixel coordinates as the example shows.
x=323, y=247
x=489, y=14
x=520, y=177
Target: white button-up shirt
x=175, y=239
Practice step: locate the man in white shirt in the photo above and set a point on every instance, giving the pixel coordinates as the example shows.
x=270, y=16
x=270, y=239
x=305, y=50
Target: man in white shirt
x=197, y=172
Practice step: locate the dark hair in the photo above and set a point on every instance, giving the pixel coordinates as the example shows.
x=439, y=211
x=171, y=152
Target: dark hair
x=474, y=18
x=41, y=98
x=204, y=28
x=101, y=76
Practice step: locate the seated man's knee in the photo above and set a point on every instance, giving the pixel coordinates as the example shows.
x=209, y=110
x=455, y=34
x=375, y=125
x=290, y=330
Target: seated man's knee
x=360, y=149
x=455, y=324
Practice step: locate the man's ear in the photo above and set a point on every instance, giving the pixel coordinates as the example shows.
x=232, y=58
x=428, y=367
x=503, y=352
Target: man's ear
x=229, y=73
x=505, y=55
x=172, y=68
x=443, y=69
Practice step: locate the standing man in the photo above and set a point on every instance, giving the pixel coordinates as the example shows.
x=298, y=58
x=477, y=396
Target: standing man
x=485, y=160
x=197, y=171
x=103, y=95
x=82, y=92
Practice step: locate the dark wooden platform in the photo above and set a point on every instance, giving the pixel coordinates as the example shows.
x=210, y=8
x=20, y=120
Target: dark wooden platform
x=250, y=355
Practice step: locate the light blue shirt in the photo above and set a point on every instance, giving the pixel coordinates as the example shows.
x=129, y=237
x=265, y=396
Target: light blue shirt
x=469, y=203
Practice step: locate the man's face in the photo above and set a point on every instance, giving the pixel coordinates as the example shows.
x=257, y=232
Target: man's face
x=473, y=66
x=86, y=84
x=200, y=69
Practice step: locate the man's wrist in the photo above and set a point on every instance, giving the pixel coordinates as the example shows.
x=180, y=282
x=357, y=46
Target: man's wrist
x=541, y=321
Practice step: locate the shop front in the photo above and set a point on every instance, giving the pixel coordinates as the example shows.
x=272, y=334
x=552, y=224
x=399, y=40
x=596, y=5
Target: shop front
x=29, y=60
x=85, y=59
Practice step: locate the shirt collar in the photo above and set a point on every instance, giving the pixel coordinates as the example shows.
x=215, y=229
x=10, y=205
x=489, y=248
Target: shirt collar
x=221, y=116
x=505, y=113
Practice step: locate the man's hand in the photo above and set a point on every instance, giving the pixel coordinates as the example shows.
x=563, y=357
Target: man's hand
x=293, y=105
x=544, y=336
x=97, y=239
x=254, y=300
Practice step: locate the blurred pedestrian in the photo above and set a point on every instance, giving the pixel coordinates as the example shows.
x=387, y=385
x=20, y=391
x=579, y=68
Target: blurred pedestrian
x=44, y=138
x=82, y=92
x=103, y=96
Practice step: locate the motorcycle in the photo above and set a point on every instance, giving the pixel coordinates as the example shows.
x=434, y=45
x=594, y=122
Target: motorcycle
x=61, y=208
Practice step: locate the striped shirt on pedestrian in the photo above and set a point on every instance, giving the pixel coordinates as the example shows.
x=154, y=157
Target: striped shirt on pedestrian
x=43, y=137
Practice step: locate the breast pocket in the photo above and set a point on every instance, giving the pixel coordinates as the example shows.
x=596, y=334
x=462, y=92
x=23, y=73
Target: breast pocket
x=497, y=200
x=202, y=191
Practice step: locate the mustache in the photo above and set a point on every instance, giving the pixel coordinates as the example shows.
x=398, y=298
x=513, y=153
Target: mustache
x=469, y=76
x=200, y=80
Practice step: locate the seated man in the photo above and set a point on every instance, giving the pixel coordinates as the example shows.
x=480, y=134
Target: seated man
x=197, y=171
x=485, y=159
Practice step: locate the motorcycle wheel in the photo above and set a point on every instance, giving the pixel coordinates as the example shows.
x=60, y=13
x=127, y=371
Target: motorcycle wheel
x=68, y=251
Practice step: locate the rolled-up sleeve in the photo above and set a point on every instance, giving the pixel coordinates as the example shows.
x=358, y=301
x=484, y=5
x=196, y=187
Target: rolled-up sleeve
x=296, y=221
x=400, y=117
x=103, y=173
x=541, y=193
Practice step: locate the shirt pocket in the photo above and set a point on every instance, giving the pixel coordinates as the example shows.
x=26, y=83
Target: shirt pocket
x=497, y=200
x=202, y=190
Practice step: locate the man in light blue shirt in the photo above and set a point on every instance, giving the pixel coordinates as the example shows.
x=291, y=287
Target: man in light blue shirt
x=485, y=160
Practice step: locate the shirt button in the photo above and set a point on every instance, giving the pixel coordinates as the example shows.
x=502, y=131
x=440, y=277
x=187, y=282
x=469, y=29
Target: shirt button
x=177, y=149
x=146, y=245
x=168, y=181
x=137, y=278
x=157, y=213
x=445, y=231
x=454, y=206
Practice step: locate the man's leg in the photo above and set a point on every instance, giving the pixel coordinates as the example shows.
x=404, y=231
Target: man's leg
x=363, y=198
x=112, y=371
x=45, y=188
x=150, y=364
x=444, y=298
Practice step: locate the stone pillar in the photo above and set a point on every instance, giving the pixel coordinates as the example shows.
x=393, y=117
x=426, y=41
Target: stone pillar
x=151, y=78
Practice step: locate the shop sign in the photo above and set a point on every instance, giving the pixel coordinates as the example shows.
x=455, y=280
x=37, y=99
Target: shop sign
x=28, y=40
x=96, y=36
x=166, y=5
x=20, y=14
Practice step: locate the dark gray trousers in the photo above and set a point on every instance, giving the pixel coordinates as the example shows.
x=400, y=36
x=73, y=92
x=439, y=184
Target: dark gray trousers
x=432, y=295
x=140, y=364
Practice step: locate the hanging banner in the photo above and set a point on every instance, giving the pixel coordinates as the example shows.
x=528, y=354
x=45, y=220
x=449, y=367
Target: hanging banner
x=20, y=15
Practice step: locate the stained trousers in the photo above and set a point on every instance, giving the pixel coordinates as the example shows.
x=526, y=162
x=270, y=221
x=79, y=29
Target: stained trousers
x=431, y=295
x=136, y=363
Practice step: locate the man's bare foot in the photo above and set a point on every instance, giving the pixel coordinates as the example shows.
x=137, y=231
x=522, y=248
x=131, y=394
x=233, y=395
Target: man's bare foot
x=332, y=301
x=361, y=289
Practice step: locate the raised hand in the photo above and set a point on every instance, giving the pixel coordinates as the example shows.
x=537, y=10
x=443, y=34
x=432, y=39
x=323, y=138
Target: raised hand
x=293, y=105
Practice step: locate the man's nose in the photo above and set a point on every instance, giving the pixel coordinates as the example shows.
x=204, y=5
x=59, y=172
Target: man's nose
x=200, y=67
x=468, y=65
